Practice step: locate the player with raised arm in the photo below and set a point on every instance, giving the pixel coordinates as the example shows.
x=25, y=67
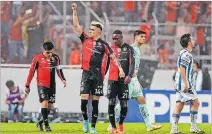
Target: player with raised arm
x=45, y=64
x=96, y=54
x=119, y=86
x=184, y=86
x=135, y=88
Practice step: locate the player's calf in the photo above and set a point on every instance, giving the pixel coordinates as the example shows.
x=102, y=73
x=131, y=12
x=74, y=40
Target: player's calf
x=193, y=114
x=124, y=110
x=95, y=104
x=111, y=112
x=84, y=114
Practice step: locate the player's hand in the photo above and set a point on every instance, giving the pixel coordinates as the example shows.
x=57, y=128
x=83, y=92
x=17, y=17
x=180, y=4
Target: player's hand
x=7, y=102
x=64, y=83
x=185, y=89
x=27, y=91
x=74, y=6
x=121, y=73
x=127, y=80
x=20, y=102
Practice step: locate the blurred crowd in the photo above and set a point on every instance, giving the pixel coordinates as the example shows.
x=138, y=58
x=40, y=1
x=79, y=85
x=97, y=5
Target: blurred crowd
x=24, y=28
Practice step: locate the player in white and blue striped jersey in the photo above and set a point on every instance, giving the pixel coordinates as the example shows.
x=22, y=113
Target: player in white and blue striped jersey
x=184, y=86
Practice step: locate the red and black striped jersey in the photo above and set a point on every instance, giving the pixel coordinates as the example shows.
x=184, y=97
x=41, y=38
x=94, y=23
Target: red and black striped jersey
x=46, y=69
x=95, y=54
x=125, y=56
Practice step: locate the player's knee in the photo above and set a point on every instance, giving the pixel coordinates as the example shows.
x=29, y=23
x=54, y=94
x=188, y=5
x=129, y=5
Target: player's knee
x=45, y=104
x=50, y=106
x=111, y=107
x=112, y=101
x=141, y=100
x=95, y=97
x=195, y=103
x=84, y=96
x=95, y=104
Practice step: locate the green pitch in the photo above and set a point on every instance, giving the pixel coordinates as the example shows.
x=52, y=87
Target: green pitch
x=76, y=128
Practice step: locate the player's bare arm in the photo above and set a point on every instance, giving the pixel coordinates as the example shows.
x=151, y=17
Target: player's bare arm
x=77, y=27
x=115, y=60
x=183, y=75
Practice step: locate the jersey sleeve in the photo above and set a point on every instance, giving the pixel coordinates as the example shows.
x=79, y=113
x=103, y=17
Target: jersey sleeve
x=32, y=69
x=185, y=60
x=131, y=61
x=83, y=37
x=108, y=49
x=59, y=69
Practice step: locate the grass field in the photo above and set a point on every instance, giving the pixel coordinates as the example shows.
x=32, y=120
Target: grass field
x=76, y=128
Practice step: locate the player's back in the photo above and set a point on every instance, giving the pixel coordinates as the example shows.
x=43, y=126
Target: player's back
x=185, y=60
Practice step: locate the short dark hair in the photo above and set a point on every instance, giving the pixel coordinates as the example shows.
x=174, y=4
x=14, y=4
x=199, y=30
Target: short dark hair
x=117, y=32
x=10, y=83
x=48, y=46
x=138, y=32
x=185, y=39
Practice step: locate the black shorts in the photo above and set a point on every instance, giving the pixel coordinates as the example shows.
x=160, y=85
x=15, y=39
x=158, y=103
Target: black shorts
x=47, y=94
x=118, y=88
x=91, y=84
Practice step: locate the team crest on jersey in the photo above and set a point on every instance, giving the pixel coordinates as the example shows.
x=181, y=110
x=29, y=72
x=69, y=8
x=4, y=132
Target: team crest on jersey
x=119, y=49
x=124, y=49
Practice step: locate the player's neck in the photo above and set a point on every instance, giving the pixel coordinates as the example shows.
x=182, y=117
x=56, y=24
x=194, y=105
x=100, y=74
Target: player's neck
x=96, y=38
x=188, y=49
x=137, y=44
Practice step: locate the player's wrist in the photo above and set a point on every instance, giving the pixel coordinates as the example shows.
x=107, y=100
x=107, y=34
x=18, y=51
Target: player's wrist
x=27, y=86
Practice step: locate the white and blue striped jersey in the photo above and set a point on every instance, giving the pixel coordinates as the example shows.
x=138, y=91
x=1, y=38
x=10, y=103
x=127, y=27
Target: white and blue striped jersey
x=185, y=60
x=137, y=57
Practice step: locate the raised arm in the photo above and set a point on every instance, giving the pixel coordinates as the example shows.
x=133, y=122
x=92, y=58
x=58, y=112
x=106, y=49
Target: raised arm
x=77, y=27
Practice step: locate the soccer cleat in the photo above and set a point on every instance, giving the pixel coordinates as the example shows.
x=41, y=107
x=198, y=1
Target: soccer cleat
x=153, y=127
x=40, y=126
x=114, y=131
x=196, y=130
x=93, y=130
x=175, y=131
x=48, y=129
x=85, y=126
x=121, y=128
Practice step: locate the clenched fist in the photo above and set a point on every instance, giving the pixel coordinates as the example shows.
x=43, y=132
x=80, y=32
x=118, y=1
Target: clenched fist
x=74, y=6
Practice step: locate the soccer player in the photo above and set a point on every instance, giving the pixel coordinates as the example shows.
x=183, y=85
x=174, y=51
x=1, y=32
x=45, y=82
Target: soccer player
x=119, y=86
x=135, y=89
x=45, y=64
x=96, y=54
x=184, y=85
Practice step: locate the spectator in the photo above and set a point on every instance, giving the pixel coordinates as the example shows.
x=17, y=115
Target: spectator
x=16, y=45
x=129, y=10
x=6, y=12
x=15, y=99
x=74, y=58
x=163, y=55
x=198, y=76
x=206, y=85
